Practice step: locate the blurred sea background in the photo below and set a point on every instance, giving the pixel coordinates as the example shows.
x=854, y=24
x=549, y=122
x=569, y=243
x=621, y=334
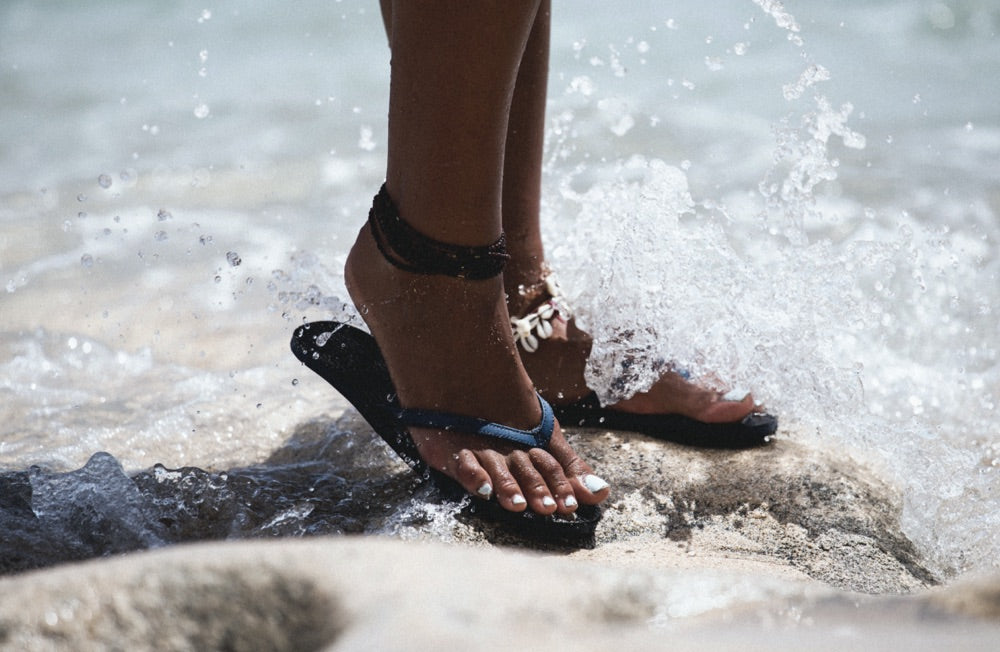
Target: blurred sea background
x=800, y=200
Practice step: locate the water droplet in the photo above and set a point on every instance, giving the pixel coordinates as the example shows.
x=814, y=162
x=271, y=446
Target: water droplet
x=218, y=279
x=81, y=215
x=160, y=236
x=104, y=181
x=205, y=239
x=206, y=15
x=315, y=355
x=163, y=215
x=81, y=197
x=87, y=260
x=201, y=111
x=365, y=140
x=295, y=381
x=233, y=258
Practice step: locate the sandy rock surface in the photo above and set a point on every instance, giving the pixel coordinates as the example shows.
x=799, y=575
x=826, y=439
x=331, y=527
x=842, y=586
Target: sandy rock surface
x=364, y=593
x=782, y=547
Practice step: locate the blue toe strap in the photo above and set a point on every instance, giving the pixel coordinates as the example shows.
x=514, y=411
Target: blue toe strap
x=538, y=436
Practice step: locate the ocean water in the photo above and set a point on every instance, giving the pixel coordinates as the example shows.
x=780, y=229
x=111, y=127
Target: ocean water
x=800, y=200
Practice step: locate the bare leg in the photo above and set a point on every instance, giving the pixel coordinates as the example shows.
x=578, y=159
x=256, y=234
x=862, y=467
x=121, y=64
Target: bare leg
x=447, y=341
x=557, y=368
x=522, y=172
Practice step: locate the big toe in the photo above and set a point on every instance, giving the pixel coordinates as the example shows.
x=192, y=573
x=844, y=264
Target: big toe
x=588, y=487
x=727, y=409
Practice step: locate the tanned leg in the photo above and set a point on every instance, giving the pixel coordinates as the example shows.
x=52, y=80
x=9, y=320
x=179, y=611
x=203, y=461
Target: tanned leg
x=557, y=367
x=447, y=341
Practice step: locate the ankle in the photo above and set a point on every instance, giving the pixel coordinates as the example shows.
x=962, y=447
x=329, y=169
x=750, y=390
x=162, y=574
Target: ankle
x=525, y=285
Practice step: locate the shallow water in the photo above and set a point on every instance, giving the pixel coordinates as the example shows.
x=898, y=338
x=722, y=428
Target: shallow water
x=803, y=205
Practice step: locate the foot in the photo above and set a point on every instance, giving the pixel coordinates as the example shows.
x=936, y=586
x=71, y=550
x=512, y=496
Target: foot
x=557, y=369
x=448, y=347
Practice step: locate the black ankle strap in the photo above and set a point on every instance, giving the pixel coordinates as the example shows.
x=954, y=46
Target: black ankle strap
x=410, y=250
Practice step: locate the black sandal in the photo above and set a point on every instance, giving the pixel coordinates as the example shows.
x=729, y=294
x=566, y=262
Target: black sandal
x=350, y=360
x=755, y=429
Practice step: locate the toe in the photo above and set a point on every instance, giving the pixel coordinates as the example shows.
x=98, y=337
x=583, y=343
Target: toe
x=532, y=482
x=505, y=486
x=588, y=488
x=559, y=487
x=469, y=473
x=727, y=410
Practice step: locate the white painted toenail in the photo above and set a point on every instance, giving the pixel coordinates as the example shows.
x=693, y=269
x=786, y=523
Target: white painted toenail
x=594, y=483
x=548, y=501
x=486, y=490
x=736, y=395
x=570, y=501
x=518, y=499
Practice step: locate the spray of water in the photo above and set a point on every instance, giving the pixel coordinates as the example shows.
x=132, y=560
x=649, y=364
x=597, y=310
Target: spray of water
x=852, y=328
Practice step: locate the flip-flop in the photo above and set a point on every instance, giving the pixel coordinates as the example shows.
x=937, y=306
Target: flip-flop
x=753, y=430
x=350, y=360
x=534, y=327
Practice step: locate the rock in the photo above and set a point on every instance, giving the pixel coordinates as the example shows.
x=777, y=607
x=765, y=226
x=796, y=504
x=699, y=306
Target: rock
x=770, y=548
x=364, y=593
x=827, y=517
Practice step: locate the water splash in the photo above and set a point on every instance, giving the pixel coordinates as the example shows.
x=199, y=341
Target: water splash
x=802, y=162
x=309, y=486
x=825, y=309
x=776, y=10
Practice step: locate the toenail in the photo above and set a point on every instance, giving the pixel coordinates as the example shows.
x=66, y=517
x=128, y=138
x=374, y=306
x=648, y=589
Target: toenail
x=518, y=499
x=486, y=490
x=594, y=483
x=736, y=395
x=548, y=501
x=570, y=501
